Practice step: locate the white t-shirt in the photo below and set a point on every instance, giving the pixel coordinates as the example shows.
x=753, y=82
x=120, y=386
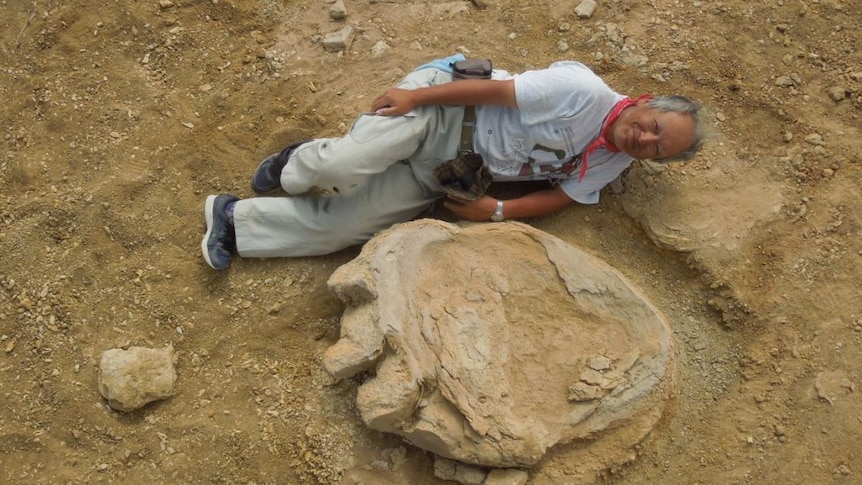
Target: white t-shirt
x=560, y=112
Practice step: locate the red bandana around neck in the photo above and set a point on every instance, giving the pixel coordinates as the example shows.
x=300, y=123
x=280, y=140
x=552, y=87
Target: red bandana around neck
x=602, y=140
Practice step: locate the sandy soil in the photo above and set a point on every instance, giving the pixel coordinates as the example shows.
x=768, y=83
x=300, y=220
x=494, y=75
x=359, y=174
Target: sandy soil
x=119, y=118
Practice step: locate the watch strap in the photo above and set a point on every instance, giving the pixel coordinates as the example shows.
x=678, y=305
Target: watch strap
x=498, y=213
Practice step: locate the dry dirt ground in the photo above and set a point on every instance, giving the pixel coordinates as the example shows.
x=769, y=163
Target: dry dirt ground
x=118, y=118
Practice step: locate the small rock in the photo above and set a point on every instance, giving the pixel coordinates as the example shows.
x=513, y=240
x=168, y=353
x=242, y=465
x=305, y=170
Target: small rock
x=258, y=36
x=586, y=9
x=815, y=139
x=165, y=4
x=380, y=49
x=506, y=476
x=130, y=379
x=579, y=392
x=396, y=456
x=338, y=41
x=784, y=81
x=591, y=376
x=599, y=362
x=827, y=385
x=338, y=11
x=837, y=93
x=455, y=471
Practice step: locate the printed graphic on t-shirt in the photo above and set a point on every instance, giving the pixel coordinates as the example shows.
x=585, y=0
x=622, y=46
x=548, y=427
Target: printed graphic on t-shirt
x=549, y=163
x=511, y=163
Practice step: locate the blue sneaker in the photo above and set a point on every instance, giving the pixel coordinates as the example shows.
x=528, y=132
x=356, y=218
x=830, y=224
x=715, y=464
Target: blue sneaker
x=219, y=242
x=267, y=176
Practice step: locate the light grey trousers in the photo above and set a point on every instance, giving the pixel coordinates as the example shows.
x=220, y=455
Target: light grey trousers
x=380, y=173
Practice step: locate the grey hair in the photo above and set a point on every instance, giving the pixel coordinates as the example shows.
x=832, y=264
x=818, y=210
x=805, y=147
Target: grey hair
x=682, y=105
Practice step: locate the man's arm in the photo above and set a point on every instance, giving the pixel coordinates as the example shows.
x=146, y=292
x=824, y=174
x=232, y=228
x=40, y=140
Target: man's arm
x=534, y=204
x=464, y=92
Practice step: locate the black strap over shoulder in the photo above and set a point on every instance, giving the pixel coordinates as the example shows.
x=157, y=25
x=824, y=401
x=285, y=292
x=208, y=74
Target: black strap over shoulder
x=467, y=176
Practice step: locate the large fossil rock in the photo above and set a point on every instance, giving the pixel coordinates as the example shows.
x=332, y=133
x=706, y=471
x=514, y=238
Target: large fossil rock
x=491, y=343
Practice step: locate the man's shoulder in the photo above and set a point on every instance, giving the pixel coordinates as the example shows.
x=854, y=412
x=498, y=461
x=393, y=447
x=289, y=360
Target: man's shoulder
x=561, y=66
x=575, y=66
x=573, y=74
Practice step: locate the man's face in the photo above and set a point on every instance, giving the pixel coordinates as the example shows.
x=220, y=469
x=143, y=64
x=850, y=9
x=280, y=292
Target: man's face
x=644, y=132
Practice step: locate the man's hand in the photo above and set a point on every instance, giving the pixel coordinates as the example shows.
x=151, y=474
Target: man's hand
x=533, y=204
x=393, y=102
x=480, y=209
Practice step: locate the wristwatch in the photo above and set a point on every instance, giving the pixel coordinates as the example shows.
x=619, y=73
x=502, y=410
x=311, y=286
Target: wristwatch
x=497, y=216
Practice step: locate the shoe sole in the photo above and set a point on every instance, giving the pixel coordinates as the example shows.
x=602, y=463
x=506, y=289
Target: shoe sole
x=209, y=205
